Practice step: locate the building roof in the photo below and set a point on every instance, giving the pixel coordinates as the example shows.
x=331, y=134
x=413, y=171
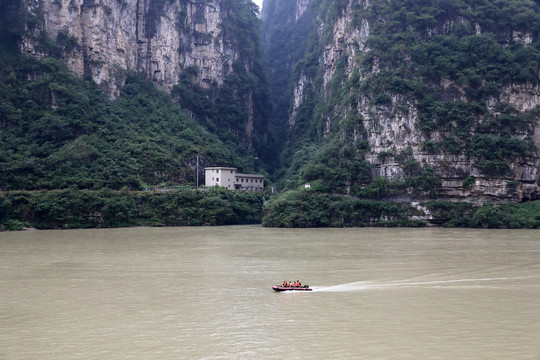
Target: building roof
x=250, y=175
x=219, y=168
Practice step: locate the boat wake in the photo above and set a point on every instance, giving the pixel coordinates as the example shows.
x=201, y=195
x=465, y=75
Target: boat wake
x=354, y=286
x=373, y=285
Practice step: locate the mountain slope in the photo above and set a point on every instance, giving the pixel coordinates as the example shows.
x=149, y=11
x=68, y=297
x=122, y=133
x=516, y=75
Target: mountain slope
x=200, y=50
x=82, y=110
x=59, y=131
x=417, y=99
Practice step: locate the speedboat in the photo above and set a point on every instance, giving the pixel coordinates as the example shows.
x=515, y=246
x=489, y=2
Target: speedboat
x=291, y=288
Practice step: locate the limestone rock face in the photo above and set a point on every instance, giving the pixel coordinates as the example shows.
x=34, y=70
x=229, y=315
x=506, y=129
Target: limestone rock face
x=298, y=96
x=346, y=40
x=393, y=127
x=301, y=7
x=156, y=38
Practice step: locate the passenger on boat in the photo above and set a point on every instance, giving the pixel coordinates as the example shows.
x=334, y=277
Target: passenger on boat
x=294, y=284
x=298, y=283
x=284, y=284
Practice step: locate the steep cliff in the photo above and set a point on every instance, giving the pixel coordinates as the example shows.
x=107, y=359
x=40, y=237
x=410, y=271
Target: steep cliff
x=214, y=44
x=413, y=100
x=156, y=38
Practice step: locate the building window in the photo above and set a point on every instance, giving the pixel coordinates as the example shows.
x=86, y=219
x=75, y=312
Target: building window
x=217, y=171
x=217, y=179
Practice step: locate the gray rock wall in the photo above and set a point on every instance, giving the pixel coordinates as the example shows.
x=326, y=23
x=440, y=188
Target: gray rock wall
x=158, y=39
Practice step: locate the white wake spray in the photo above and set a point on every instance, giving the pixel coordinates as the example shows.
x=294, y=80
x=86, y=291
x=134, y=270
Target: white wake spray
x=371, y=285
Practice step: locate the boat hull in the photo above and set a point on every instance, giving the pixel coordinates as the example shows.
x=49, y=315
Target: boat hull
x=290, y=288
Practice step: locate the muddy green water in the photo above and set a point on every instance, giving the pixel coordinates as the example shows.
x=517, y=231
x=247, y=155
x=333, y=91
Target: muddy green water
x=205, y=293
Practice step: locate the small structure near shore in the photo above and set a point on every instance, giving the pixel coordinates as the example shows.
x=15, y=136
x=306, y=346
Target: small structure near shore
x=230, y=178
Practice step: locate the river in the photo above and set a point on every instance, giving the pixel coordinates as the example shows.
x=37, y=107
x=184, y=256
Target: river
x=205, y=293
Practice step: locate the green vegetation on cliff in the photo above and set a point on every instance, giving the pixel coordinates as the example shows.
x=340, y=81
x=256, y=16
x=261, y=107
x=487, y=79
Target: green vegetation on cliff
x=460, y=56
x=58, y=131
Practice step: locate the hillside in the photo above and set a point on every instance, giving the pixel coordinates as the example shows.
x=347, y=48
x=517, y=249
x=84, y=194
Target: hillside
x=59, y=131
x=85, y=111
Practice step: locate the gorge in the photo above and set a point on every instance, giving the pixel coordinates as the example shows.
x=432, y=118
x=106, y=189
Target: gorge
x=396, y=101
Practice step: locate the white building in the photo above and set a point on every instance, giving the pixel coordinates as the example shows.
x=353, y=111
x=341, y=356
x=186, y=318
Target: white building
x=220, y=176
x=228, y=177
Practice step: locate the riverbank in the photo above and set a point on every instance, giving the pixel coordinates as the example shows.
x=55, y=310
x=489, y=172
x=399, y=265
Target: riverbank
x=309, y=209
x=71, y=209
